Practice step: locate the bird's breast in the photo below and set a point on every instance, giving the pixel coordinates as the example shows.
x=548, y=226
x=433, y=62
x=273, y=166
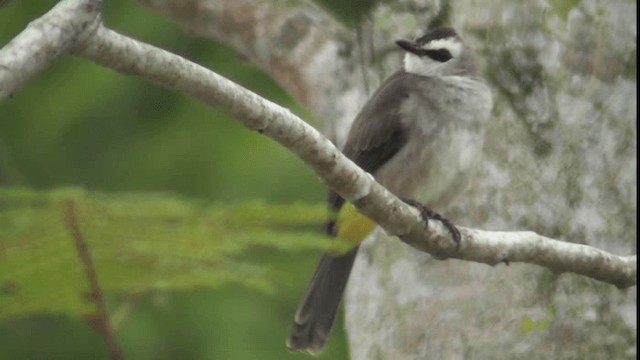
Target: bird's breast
x=446, y=132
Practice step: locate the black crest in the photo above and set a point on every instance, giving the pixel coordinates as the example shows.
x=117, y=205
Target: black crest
x=439, y=33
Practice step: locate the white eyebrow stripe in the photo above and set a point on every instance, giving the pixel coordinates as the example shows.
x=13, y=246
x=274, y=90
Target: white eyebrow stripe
x=452, y=44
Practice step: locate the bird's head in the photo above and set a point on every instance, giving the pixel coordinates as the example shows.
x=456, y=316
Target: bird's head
x=439, y=52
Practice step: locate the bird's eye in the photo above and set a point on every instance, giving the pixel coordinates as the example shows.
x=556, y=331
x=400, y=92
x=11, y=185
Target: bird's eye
x=440, y=55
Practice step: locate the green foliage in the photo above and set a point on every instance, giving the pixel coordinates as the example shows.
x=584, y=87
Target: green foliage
x=138, y=243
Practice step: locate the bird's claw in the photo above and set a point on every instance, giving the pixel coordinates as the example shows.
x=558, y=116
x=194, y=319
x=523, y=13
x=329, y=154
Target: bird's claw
x=430, y=214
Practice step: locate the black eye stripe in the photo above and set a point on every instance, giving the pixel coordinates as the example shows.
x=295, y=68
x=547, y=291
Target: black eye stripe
x=441, y=55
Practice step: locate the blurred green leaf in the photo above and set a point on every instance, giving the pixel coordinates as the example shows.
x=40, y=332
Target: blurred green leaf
x=139, y=243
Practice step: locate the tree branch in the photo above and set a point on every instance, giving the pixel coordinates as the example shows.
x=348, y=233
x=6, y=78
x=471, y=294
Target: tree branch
x=44, y=40
x=283, y=39
x=298, y=44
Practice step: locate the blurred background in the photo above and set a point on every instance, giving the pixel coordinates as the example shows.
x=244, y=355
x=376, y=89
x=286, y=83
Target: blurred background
x=78, y=124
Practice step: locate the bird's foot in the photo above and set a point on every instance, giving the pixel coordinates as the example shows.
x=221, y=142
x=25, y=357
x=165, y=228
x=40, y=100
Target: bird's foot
x=428, y=214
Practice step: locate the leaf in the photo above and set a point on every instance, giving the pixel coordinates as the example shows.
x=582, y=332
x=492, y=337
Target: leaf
x=139, y=243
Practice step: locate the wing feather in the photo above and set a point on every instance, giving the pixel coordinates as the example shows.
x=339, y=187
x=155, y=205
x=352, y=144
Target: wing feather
x=377, y=133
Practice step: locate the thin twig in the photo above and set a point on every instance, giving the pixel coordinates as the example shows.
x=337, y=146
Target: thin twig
x=100, y=319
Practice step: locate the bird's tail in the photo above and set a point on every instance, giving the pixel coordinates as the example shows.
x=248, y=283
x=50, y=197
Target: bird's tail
x=317, y=311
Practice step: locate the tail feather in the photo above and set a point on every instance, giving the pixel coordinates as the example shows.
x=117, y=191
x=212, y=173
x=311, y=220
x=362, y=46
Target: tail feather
x=318, y=309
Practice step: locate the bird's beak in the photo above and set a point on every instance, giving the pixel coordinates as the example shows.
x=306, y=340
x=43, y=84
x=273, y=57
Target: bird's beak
x=410, y=46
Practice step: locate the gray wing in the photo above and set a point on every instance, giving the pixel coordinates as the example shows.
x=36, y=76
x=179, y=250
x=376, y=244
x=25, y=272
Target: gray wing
x=377, y=133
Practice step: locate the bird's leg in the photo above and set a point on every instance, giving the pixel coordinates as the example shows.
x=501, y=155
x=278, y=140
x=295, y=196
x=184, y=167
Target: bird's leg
x=428, y=214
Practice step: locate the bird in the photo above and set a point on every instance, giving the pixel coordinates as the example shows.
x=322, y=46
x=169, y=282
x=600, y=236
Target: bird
x=420, y=135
